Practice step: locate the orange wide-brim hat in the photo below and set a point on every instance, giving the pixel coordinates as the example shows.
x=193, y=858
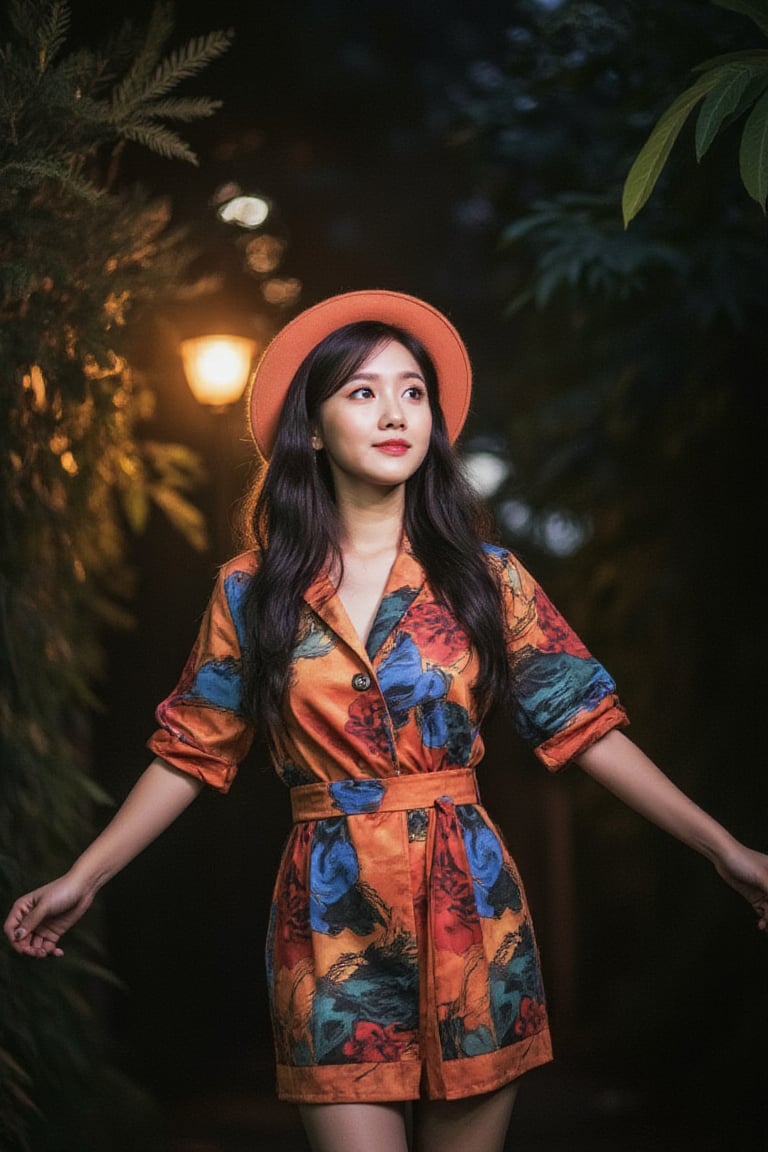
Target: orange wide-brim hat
x=287, y=350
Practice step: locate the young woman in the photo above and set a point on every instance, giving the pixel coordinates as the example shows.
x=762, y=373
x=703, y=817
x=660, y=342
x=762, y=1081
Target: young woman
x=367, y=630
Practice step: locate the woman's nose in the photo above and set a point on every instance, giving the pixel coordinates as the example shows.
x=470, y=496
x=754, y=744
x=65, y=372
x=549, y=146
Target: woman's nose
x=392, y=415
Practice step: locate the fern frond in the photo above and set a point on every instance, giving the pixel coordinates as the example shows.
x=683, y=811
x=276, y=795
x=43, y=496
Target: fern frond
x=23, y=20
x=187, y=61
x=28, y=173
x=52, y=33
x=145, y=61
x=93, y=111
x=161, y=24
x=195, y=108
x=158, y=139
x=90, y=72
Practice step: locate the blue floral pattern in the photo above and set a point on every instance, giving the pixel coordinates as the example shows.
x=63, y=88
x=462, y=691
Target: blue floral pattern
x=402, y=960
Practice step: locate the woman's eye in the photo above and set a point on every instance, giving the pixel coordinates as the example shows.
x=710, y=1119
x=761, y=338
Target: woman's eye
x=416, y=392
x=363, y=391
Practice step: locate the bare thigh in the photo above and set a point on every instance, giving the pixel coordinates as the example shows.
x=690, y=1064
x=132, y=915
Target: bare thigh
x=355, y=1127
x=476, y=1124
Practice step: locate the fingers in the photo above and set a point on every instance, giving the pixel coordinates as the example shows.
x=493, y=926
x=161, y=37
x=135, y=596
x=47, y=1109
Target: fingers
x=14, y=927
x=762, y=915
x=38, y=946
x=36, y=943
x=26, y=930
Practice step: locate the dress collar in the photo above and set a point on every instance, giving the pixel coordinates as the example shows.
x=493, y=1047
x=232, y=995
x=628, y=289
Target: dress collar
x=405, y=581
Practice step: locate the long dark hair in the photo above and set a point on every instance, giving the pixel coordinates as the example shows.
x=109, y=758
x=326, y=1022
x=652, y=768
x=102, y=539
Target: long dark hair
x=291, y=517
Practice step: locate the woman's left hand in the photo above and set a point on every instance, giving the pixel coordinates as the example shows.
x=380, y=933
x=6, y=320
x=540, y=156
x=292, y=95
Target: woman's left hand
x=747, y=872
x=624, y=769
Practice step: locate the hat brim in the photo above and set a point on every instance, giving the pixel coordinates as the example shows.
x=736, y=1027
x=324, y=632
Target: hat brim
x=289, y=348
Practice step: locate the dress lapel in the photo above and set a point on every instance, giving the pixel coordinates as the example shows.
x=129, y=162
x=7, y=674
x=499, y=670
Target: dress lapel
x=405, y=581
x=322, y=598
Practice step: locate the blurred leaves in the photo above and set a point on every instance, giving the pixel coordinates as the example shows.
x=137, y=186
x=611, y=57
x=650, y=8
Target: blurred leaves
x=633, y=403
x=76, y=102
x=582, y=248
x=83, y=265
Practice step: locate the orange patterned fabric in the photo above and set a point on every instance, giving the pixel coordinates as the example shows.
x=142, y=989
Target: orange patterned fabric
x=401, y=956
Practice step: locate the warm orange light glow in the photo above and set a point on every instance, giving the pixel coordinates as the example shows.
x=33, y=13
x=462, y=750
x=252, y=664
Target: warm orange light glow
x=282, y=290
x=217, y=368
x=264, y=253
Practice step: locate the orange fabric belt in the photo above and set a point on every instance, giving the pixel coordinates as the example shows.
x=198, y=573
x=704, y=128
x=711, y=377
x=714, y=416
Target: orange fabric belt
x=374, y=794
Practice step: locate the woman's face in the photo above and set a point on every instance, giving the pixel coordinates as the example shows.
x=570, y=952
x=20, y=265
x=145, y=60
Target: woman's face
x=376, y=428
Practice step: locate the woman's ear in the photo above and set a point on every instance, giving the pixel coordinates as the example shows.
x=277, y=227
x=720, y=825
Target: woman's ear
x=316, y=441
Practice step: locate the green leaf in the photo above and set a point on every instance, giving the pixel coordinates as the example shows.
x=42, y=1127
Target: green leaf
x=755, y=9
x=93, y=790
x=647, y=167
x=136, y=507
x=185, y=516
x=176, y=465
x=753, y=152
x=13, y=1066
x=743, y=56
x=91, y=968
x=722, y=102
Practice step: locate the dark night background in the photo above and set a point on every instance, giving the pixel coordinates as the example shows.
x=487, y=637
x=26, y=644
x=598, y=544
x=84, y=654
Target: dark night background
x=343, y=114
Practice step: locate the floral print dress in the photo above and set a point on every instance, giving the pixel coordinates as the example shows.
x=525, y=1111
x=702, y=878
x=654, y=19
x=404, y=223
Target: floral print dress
x=401, y=957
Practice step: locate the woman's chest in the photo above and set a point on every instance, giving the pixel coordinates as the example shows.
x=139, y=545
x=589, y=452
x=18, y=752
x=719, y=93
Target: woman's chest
x=361, y=590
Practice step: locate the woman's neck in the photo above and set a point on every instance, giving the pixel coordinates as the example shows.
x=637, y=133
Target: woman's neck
x=369, y=528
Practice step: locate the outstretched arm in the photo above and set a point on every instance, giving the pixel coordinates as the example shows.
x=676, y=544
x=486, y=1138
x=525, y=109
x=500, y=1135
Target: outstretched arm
x=618, y=764
x=38, y=920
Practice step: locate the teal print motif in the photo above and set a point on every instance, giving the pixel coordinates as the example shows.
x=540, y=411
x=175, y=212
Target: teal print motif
x=314, y=641
x=392, y=607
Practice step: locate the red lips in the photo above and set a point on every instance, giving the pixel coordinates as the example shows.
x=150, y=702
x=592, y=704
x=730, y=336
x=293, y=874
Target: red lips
x=393, y=447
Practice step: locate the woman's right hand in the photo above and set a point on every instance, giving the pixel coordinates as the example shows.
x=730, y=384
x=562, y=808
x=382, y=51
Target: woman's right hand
x=38, y=920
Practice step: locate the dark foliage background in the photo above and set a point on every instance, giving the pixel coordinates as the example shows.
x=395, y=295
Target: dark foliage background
x=474, y=155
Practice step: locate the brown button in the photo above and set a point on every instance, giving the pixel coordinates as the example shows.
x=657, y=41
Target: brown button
x=361, y=681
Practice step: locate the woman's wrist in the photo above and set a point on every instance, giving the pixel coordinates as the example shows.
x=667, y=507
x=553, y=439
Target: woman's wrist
x=90, y=875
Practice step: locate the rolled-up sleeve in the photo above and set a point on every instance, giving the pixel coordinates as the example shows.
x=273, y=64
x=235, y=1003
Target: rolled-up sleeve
x=201, y=729
x=563, y=698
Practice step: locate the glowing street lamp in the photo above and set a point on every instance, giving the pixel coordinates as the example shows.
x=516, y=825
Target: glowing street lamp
x=217, y=368
x=247, y=211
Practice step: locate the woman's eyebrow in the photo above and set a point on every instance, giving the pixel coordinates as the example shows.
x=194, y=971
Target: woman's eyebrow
x=407, y=374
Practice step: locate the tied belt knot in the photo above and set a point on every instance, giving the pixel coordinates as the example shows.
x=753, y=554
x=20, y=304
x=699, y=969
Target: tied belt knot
x=390, y=794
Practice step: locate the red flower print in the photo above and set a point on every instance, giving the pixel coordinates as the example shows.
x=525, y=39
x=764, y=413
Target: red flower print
x=372, y=1042
x=556, y=634
x=292, y=931
x=368, y=722
x=532, y=1018
x=456, y=924
x=436, y=633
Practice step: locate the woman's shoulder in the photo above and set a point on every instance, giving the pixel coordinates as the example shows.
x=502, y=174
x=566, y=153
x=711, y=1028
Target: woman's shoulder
x=498, y=557
x=508, y=568
x=495, y=551
x=243, y=564
x=240, y=568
